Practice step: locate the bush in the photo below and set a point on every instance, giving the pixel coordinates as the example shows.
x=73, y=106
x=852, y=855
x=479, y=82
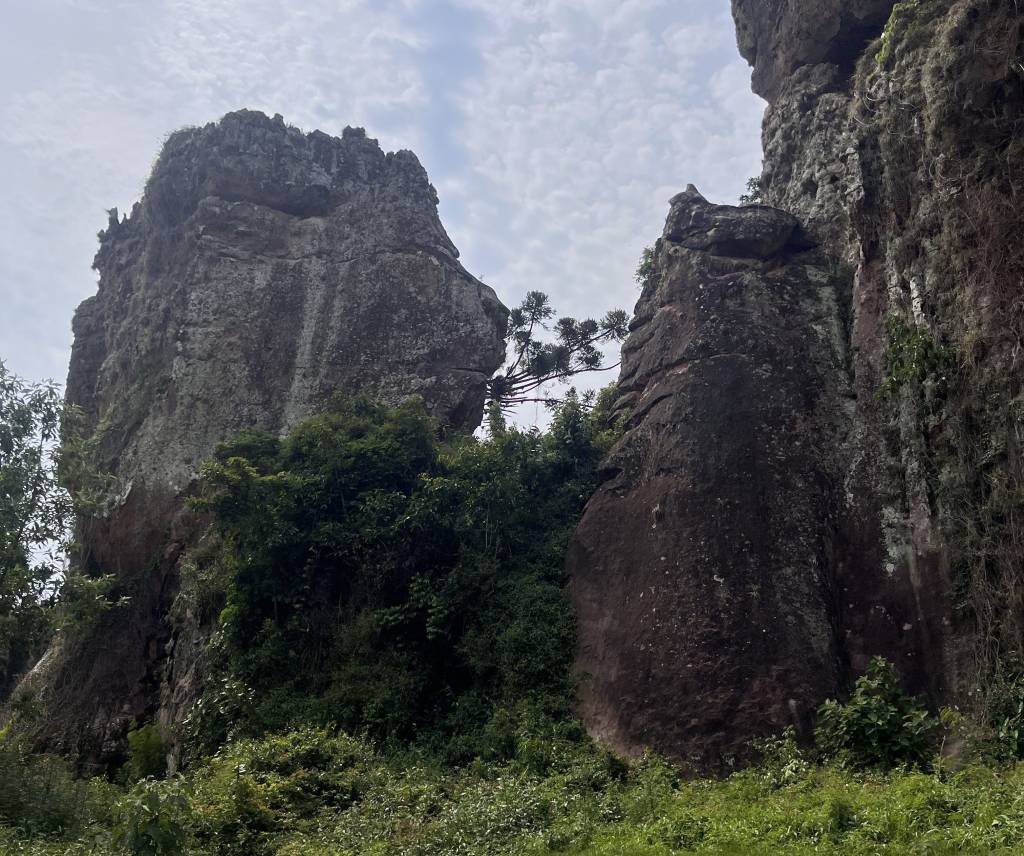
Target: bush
x=645, y=267
x=39, y=795
x=152, y=818
x=880, y=726
x=392, y=583
x=147, y=756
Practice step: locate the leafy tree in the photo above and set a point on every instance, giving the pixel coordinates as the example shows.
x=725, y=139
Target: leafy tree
x=534, y=364
x=43, y=448
x=35, y=517
x=755, y=192
x=879, y=727
x=390, y=583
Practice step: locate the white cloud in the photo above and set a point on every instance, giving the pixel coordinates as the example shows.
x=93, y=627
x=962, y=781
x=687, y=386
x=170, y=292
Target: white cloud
x=587, y=117
x=554, y=130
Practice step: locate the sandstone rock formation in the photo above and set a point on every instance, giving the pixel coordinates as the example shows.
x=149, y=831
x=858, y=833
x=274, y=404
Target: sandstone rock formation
x=702, y=569
x=778, y=37
x=906, y=165
x=895, y=137
x=263, y=271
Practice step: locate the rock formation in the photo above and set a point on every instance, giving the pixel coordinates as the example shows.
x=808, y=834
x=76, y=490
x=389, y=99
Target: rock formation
x=906, y=164
x=263, y=271
x=881, y=512
x=701, y=571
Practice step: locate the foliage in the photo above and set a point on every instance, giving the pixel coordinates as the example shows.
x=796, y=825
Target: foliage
x=783, y=762
x=394, y=584
x=755, y=192
x=645, y=268
x=996, y=731
x=39, y=795
x=43, y=450
x=879, y=727
x=35, y=516
x=147, y=756
x=151, y=818
x=534, y=363
x=913, y=357
x=902, y=14
x=315, y=791
x=258, y=790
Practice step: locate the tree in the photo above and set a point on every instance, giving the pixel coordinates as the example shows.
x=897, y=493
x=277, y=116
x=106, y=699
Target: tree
x=35, y=517
x=755, y=192
x=377, y=577
x=44, y=450
x=534, y=364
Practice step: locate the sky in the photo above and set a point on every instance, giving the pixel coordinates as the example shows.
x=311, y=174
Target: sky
x=555, y=131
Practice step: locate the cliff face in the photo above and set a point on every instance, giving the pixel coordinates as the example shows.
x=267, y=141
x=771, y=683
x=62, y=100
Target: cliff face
x=895, y=136
x=908, y=166
x=263, y=271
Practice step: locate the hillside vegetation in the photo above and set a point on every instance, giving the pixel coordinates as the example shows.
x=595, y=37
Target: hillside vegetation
x=390, y=673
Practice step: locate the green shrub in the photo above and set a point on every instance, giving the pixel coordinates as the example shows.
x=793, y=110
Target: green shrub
x=879, y=727
x=256, y=791
x=392, y=583
x=152, y=818
x=645, y=268
x=39, y=795
x=913, y=356
x=754, y=194
x=147, y=755
x=995, y=732
x=782, y=760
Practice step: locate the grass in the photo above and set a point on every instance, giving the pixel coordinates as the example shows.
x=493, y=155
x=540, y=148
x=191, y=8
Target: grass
x=311, y=792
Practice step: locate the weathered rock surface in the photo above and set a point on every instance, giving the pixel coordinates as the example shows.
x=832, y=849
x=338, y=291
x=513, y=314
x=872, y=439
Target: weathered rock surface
x=702, y=569
x=263, y=271
x=777, y=37
x=905, y=166
x=771, y=522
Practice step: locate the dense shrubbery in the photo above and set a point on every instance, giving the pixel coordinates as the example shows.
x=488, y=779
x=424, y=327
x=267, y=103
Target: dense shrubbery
x=39, y=796
x=317, y=792
x=394, y=584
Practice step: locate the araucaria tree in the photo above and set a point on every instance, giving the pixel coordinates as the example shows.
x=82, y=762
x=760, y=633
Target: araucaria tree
x=534, y=364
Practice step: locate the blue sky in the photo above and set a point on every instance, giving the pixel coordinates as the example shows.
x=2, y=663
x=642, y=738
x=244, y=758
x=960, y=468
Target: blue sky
x=554, y=130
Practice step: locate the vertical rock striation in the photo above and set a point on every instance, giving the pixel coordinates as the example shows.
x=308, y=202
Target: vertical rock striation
x=906, y=163
x=264, y=271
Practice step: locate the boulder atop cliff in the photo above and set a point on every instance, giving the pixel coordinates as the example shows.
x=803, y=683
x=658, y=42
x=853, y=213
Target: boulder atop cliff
x=751, y=231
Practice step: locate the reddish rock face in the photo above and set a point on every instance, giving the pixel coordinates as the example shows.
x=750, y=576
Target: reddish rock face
x=702, y=568
x=778, y=513
x=905, y=167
